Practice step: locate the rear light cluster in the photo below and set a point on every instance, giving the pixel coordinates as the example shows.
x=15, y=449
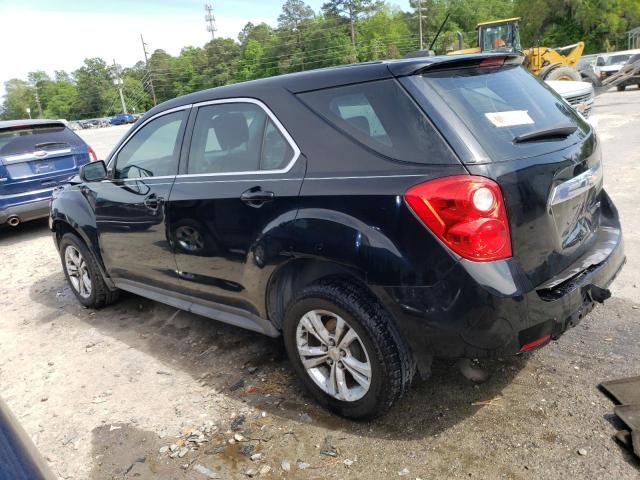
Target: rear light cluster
x=466, y=213
x=93, y=155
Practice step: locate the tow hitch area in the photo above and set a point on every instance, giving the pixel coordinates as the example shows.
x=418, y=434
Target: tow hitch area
x=598, y=294
x=625, y=392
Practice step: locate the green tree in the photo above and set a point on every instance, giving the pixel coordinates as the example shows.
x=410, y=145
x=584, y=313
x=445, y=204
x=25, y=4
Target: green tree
x=385, y=34
x=61, y=102
x=18, y=97
x=96, y=93
x=352, y=10
x=161, y=71
x=221, y=61
x=294, y=13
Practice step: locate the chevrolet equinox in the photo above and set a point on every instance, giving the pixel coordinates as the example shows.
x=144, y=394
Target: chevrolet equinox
x=375, y=215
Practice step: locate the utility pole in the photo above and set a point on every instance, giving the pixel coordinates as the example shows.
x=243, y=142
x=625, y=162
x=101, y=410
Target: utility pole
x=210, y=19
x=146, y=61
x=38, y=100
x=119, y=84
x=420, y=20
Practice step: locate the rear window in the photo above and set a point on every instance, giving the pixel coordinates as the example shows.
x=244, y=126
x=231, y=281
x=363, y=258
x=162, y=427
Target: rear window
x=26, y=139
x=498, y=105
x=382, y=117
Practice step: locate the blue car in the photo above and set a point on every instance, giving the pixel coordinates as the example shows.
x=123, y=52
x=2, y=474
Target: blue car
x=122, y=118
x=35, y=157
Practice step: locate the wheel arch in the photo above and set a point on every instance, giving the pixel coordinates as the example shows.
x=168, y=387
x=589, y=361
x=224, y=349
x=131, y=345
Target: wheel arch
x=60, y=227
x=299, y=273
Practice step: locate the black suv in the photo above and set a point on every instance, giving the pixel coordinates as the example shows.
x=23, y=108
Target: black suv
x=374, y=215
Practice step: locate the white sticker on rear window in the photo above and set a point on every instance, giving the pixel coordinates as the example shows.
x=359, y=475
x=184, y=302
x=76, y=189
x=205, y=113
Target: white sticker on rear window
x=510, y=118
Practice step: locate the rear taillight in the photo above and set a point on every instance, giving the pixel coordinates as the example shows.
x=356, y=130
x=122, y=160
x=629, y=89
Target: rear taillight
x=93, y=155
x=466, y=213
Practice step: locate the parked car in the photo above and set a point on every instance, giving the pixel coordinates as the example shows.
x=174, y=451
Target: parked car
x=375, y=216
x=122, y=118
x=35, y=157
x=634, y=79
x=20, y=459
x=580, y=95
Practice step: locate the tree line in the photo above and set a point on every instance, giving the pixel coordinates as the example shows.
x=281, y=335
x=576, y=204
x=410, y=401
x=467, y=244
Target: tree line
x=343, y=31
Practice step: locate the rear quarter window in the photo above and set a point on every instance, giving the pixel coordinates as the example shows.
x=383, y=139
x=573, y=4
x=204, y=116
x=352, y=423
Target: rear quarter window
x=381, y=116
x=26, y=139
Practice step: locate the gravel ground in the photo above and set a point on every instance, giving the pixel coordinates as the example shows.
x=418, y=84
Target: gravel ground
x=117, y=393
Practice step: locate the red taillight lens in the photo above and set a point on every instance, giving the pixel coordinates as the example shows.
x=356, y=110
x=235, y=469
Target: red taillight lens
x=535, y=343
x=93, y=155
x=493, y=62
x=467, y=213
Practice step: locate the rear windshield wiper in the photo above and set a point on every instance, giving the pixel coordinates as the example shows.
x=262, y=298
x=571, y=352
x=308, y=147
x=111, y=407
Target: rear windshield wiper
x=548, y=133
x=50, y=144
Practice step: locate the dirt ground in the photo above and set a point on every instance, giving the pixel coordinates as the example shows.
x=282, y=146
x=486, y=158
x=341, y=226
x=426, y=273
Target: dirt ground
x=116, y=393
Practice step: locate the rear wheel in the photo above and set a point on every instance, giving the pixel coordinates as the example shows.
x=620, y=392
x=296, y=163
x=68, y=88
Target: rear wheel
x=563, y=73
x=621, y=88
x=83, y=274
x=346, y=350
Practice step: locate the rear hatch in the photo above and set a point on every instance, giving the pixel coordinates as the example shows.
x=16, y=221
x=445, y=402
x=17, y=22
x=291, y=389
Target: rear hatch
x=38, y=156
x=544, y=156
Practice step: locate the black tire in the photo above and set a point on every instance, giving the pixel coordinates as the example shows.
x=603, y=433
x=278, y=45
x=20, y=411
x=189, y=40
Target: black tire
x=621, y=88
x=100, y=295
x=592, y=78
x=392, y=364
x=206, y=245
x=563, y=73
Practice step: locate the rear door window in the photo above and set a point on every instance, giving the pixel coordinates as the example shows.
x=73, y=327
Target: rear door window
x=236, y=137
x=381, y=116
x=17, y=140
x=498, y=105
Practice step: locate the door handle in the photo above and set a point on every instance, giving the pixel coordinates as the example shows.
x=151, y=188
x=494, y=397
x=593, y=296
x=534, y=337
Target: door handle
x=256, y=197
x=153, y=202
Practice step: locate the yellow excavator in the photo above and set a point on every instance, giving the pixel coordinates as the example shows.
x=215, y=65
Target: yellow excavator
x=547, y=63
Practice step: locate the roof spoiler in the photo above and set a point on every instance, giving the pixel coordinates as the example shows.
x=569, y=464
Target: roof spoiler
x=401, y=69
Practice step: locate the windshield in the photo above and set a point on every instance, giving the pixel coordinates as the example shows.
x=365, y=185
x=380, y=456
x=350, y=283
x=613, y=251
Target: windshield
x=499, y=106
x=617, y=60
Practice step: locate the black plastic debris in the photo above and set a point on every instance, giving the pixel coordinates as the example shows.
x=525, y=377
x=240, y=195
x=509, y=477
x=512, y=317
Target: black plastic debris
x=626, y=393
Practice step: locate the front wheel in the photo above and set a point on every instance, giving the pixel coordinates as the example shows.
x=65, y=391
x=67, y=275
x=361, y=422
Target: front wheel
x=83, y=274
x=346, y=350
x=621, y=88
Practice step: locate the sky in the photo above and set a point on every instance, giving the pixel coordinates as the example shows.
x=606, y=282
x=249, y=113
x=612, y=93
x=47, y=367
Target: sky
x=54, y=35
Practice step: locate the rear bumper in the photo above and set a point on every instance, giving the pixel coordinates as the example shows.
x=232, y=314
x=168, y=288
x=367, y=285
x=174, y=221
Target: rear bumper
x=26, y=207
x=487, y=310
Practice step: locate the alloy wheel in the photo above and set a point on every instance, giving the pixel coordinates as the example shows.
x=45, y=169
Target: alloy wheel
x=77, y=271
x=189, y=238
x=333, y=355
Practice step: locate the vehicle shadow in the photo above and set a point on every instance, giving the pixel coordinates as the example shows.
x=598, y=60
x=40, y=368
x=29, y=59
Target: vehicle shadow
x=224, y=357
x=25, y=231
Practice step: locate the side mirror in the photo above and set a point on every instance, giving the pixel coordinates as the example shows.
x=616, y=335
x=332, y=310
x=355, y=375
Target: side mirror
x=93, y=171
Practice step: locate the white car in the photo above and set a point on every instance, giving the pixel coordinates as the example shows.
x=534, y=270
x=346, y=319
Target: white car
x=579, y=95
